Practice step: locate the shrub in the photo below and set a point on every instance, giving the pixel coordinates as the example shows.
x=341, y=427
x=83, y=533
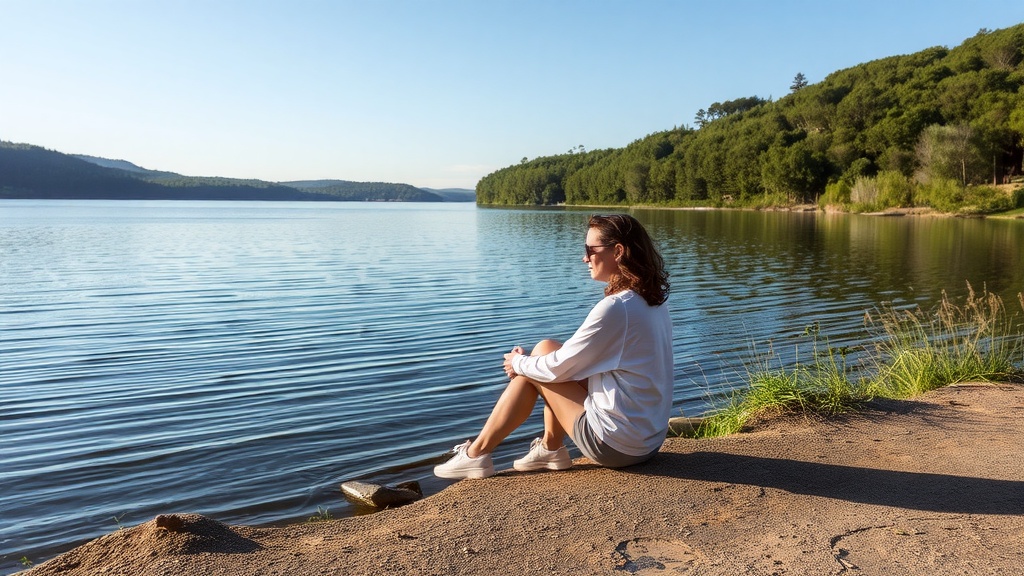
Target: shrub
x=986, y=200
x=890, y=189
x=766, y=200
x=864, y=191
x=941, y=194
x=894, y=189
x=836, y=193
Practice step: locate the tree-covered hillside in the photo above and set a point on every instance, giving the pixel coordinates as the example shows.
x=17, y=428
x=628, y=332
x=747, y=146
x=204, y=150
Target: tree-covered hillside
x=454, y=194
x=925, y=129
x=28, y=171
x=366, y=191
x=32, y=172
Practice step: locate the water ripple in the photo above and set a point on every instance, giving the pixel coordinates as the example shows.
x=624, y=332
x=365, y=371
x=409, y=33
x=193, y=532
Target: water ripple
x=240, y=360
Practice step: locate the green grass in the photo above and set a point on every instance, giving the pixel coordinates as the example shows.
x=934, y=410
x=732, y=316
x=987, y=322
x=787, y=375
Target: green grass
x=918, y=352
x=908, y=352
x=1017, y=213
x=322, y=515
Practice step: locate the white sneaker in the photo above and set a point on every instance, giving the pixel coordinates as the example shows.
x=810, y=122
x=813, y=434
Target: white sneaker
x=540, y=458
x=462, y=466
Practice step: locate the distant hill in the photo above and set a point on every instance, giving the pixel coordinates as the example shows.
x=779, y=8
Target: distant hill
x=365, y=191
x=28, y=171
x=454, y=194
x=119, y=164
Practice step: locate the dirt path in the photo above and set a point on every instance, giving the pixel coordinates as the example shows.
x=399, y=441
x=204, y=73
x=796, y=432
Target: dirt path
x=929, y=486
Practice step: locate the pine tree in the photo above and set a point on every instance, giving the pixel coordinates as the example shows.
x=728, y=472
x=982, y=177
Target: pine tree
x=799, y=81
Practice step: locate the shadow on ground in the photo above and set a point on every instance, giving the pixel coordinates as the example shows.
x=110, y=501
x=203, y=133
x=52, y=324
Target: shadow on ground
x=911, y=490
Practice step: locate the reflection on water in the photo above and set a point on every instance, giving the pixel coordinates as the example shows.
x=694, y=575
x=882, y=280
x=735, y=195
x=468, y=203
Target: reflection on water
x=240, y=360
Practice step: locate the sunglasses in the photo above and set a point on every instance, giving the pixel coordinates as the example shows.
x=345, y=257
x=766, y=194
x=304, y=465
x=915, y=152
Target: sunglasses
x=590, y=249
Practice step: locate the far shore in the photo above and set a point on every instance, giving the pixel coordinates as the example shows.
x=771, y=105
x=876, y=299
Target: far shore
x=914, y=211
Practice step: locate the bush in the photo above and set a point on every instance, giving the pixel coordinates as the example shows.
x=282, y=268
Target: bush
x=865, y=192
x=950, y=196
x=942, y=195
x=890, y=189
x=986, y=200
x=836, y=193
x=894, y=189
x=766, y=200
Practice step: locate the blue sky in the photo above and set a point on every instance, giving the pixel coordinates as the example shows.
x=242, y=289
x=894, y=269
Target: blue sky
x=432, y=93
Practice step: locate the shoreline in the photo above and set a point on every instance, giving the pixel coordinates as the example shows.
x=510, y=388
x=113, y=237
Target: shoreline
x=922, y=486
x=796, y=208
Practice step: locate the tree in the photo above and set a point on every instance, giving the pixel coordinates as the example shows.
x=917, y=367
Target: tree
x=799, y=81
x=796, y=171
x=723, y=109
x=701, y=119
x=951, y=153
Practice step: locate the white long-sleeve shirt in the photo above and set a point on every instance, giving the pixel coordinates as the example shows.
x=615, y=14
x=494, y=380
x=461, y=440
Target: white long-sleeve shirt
x=624, y=350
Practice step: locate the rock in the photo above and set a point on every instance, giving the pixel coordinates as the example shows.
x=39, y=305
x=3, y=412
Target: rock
x=379, y=496
x=171, y=522
x=683, y=426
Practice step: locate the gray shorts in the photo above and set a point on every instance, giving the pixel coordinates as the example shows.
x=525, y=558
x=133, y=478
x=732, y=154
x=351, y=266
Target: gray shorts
x=588, y=443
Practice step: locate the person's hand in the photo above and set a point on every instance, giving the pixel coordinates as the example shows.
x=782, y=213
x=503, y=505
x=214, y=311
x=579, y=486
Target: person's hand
x=516, y=351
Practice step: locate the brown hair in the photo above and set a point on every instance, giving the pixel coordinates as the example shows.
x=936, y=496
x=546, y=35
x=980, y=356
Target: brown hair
x=641, y=267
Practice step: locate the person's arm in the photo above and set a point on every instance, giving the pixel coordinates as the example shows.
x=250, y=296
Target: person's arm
x=595, y=347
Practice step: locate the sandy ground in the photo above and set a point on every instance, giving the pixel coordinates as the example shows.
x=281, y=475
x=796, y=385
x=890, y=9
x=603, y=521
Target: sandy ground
x=929, y=486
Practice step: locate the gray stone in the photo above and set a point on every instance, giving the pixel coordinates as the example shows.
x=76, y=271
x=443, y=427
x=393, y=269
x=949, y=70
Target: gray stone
x=380, y=496
x=683, y=426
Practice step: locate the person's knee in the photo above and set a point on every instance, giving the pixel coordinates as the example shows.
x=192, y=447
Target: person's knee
x=545, y=346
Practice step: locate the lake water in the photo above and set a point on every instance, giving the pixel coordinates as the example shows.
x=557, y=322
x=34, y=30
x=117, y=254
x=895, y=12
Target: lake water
x=241, y=360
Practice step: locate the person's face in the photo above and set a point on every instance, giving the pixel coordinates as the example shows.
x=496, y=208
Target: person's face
x=600, y=258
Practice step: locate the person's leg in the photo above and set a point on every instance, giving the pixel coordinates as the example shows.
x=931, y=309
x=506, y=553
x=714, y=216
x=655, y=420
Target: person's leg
x=563, y=403
x=512, y=409
x=554, y=432
x=548, y=452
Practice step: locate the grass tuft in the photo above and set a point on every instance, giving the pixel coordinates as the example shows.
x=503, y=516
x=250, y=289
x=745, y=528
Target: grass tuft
x=322, y=515
x=919, y=351
x=909, y=352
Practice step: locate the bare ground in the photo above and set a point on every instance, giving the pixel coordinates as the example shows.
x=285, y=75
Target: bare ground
x=929, y=486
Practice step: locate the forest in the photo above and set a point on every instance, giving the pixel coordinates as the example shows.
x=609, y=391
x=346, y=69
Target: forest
x=941, y=128
x=365, y=191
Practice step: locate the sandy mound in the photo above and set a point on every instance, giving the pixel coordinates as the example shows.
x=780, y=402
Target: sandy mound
x=929, y=486
x=156, y=544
